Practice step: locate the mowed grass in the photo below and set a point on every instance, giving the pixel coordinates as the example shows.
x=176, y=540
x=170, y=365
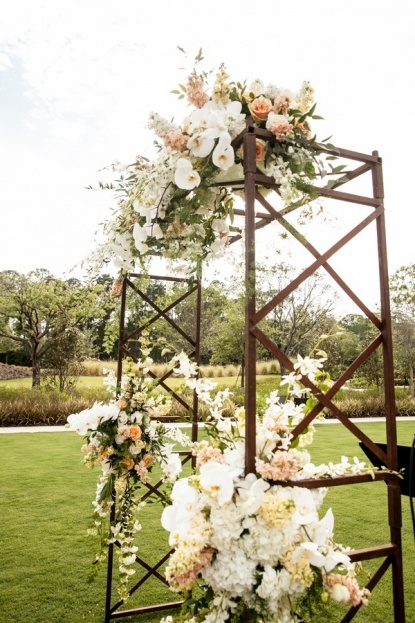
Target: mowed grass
x=46, y=495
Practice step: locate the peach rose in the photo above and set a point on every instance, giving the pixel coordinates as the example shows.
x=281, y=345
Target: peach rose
x=147, y=460
x=260, y=147
x=121, y=403
x=128, y=463
x=135, y=432
x=260, y=108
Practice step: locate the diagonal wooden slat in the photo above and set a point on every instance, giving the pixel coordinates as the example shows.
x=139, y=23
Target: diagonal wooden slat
x=320, y=262
x=296, y=234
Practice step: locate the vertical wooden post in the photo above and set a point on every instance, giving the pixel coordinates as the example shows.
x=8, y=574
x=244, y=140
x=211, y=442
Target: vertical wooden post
x=250, y=305
x=195, y=419
x=110, y=560
x=394, y=491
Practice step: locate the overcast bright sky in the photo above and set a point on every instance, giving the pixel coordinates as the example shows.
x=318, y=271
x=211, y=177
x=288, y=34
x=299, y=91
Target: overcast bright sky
x=78, y=80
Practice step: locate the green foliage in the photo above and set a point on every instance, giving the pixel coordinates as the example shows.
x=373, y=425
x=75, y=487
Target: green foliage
x=37, y=309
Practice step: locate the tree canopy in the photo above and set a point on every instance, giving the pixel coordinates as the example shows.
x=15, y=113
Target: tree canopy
x=37, y=309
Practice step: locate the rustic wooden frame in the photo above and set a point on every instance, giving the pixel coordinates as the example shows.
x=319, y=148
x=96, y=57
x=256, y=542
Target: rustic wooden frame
x=131, y=282
x=390, y=553
x=254, y=220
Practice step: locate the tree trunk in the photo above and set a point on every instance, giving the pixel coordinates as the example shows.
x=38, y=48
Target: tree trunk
x=243, y=372
x=35, y=372
x=411, y=382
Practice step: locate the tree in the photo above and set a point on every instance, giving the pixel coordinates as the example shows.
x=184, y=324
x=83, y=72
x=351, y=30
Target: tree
x=358, y=332
x=37, y=309
x=63, y=362
x=342, y=348
x=226, y=339
x=297, y=322
x=402, y=287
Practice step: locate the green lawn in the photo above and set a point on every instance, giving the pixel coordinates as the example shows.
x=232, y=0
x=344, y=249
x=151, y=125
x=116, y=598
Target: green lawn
x=46, y=495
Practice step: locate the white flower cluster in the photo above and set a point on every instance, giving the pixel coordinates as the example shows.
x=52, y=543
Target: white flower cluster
x=125, y=439
x=258, y=544
x=171, y=206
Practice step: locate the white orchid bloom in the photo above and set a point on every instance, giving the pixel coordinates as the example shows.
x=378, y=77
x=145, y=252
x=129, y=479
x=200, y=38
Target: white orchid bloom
x=177, y=517
x=311, y=553
x=200, y=117
x=185, y=176
x=200, y=146
x=216, y=480
x=308, y=366
x=223, y=155
x=156, y=231
x=251, y=491
x=333, y=559
x=138, y=207
x=220, y=226
x=323, y=530
x=217, y=128
x=340, y=593
x=235, y=458
x=305, y=507
x=140, y=234
x=170, y=463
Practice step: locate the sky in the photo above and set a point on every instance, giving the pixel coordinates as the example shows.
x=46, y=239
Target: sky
x=78, y=80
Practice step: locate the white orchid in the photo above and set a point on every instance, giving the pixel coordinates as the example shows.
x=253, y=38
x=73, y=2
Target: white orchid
x=307, y=366
x=177, y=517
x=223, y=155
x=216, y=481
x=200, y=146
x=185, y=176
x=251, y=493
x=89, y=419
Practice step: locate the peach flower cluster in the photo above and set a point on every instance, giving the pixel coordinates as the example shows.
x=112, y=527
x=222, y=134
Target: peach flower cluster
x=176, y=140
x=205, y=453
x=345, y=589
x=196, y=94
x=284, y=465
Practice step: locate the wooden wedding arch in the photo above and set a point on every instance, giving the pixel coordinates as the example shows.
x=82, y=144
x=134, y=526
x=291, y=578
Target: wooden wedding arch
x=258, y=212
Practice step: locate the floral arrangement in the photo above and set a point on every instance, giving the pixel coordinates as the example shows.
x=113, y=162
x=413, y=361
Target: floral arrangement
x=178, y=205
x=255, y=546
x=125, y=440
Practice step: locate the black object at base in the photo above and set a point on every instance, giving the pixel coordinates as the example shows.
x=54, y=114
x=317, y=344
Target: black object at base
x=407, y=483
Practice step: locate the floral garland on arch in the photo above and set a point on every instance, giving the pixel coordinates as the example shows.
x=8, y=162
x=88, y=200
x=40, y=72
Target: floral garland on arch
x=257, y=549
x=175, y=206
x=125, y=440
